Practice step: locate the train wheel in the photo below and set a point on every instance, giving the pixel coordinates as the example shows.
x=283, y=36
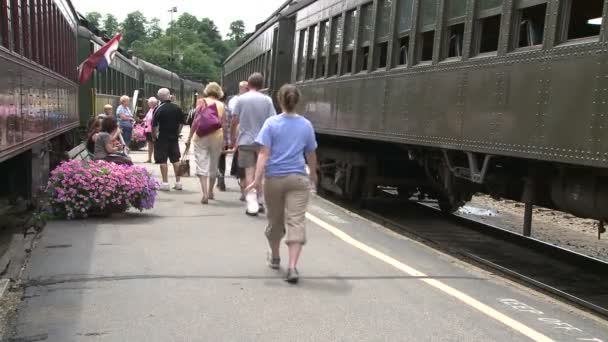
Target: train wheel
x=447, y=207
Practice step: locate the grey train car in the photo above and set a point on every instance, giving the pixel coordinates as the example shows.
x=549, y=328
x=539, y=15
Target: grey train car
x=447, y=98
x=38, y=92
x=153, y=77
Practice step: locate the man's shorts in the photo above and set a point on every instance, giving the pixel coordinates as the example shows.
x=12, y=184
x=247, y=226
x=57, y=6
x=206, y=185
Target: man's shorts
x=248, y=155
x=166, y=149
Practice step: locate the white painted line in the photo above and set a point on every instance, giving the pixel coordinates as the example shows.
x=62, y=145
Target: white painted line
x=4, y=286
x=468, y=300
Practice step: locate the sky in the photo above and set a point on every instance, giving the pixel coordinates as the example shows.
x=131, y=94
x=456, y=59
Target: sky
x=222, y=12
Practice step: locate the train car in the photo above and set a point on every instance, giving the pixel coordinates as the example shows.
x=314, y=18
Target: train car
x=38, y=91
x=446, y=98
x=154, y=77
x=190, y=91
x=120, y=78
x=269, y=51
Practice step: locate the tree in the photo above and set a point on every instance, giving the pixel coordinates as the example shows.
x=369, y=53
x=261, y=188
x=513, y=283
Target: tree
x=237, y=32
x=134, y=28
x=93, y=18
x=154, y=31
x=110, y=25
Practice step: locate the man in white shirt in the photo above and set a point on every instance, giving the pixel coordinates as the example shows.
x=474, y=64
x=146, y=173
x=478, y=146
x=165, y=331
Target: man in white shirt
x=250, y=112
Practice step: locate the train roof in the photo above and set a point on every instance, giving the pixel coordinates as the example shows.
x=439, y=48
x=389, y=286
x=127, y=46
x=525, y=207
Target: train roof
x=288, y=8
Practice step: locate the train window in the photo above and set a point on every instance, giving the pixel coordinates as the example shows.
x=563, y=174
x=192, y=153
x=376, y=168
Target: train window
x=301, y=55
x=336, y=38
x=381, y=54
x=365, y=24
x=582, y=18
x=456, y=8
x=268, y=69
x=488, y=33
x=349, y=29
x=404, y=15
x=349, y=42
x=312, y=52
x=428, y=12
x=426, y=45
x=365, y=36
x=347, y=62
x=529, y=26
x=403, y=51
x=383, y=32
x=323, y=46
x=7, y=23
x=25, y=20
x=455, y=34
x=363, y=58
x=383, y=19
x=489, y=4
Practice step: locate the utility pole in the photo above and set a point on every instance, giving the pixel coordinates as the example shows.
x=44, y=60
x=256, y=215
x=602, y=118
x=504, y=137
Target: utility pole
x=172, y=10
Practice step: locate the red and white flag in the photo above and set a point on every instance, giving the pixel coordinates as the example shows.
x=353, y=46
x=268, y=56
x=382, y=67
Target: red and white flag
x=99, y=60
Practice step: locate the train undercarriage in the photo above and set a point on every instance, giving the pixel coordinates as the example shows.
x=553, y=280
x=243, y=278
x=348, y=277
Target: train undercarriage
x=26, y=174
x=359, y=170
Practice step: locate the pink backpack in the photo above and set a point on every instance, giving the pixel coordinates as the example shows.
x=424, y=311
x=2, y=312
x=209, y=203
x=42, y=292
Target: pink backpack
x=206, y=120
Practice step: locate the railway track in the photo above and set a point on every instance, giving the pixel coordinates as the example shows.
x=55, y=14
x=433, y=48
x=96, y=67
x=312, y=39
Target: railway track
x=570, y=276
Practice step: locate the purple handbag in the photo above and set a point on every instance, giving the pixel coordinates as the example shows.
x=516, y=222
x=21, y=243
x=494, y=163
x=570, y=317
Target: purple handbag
x=207, y=120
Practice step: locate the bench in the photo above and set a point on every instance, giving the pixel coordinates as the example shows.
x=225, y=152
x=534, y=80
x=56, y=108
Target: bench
x=79, y=152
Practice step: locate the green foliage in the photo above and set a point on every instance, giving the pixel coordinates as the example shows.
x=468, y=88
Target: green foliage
x=93, y=18
x=237, y=32
x=110, y=25
x=196, y=46
x=134, y=28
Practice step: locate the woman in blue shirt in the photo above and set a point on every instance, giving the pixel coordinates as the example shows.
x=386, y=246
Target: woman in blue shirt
x=284, y=140
x=125, y=118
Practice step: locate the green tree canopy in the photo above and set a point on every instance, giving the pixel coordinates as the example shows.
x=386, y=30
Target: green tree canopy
x=134, y=28
x=154, y=31
x=237, y=32
x=196, y=44
x=93, y=18
x=110, y=25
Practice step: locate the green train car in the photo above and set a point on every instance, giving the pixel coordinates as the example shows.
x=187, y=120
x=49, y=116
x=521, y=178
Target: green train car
x=447, y=98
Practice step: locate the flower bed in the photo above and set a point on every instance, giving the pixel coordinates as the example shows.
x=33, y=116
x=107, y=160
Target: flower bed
x=78, y=189
x=138, y=137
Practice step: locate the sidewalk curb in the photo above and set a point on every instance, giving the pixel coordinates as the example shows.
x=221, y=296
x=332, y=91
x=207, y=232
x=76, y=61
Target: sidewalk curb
x=4, y=283
x=15, y=258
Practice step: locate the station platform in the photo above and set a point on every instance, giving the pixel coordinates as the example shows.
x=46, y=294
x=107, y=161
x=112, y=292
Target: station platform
x=188, y=272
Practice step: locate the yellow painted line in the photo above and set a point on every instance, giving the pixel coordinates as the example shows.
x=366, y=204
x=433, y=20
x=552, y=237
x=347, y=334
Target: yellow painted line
x=468, y=300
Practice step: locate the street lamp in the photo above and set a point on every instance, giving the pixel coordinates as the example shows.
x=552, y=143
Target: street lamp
x=172, y=10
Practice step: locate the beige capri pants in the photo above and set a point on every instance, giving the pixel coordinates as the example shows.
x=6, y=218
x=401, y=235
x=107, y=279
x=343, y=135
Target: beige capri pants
x=207, y=151
x=286, y=201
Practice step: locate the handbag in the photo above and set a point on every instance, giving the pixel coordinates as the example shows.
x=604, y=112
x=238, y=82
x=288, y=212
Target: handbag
x=207, y=120
x=184, y=165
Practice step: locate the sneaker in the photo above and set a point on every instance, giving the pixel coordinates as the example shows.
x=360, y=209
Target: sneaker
x=292, y=276
x=164, y=187
x=273, y=263
x=252, y=204
x=261, y=208
x=178, y=186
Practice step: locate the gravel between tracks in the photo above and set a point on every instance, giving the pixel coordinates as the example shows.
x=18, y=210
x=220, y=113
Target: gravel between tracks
x=555, y=227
